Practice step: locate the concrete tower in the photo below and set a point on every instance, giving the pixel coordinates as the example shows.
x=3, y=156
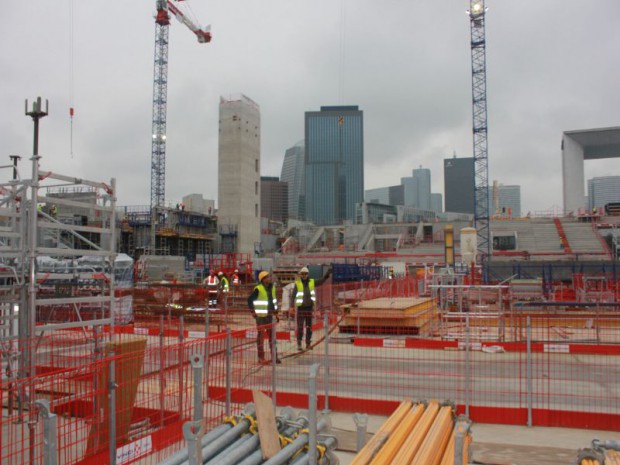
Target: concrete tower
x=239, y=175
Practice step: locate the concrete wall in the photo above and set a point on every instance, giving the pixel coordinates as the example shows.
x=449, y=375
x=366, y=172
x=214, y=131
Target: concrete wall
x=573, y=178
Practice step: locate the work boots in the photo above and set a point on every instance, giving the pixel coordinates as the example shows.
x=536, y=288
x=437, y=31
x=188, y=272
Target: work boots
x=308, y=345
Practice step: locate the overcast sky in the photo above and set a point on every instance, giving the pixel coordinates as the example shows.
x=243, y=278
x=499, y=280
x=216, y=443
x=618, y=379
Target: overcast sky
x=552, y=65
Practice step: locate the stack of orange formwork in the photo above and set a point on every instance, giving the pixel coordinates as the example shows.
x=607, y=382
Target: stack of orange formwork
x=420, y=434
x=403, y=314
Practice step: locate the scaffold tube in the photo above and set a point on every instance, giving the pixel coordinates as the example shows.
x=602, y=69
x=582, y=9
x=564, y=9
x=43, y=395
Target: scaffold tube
x=181, y=456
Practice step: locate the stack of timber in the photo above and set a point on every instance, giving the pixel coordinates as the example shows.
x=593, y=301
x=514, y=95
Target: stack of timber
x=421, y=434
x=407, y=315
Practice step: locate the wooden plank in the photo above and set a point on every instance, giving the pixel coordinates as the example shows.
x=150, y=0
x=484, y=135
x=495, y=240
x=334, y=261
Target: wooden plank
x=267, y=428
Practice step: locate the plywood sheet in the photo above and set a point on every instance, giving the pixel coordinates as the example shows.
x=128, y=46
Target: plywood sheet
x=267, y=428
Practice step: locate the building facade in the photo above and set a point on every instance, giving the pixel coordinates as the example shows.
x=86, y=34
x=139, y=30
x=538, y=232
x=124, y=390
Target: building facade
x=459, y=184
x=293, y=169
x=239, y=175
x=603, y=190
x=334, y=168
x=437, y=203
x=505, y=200
x=273, y=199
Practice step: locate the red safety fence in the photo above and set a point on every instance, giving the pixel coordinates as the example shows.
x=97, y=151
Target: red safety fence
x=542, y=365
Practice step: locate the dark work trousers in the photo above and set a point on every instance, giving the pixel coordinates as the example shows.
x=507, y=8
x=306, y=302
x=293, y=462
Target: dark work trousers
x=304, y=317
x=264, y=331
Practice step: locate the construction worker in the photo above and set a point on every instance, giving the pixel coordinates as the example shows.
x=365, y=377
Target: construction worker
x=303, y=299
x=224, y=286
x=236, y=281
x=213, y=285
x=264, y=306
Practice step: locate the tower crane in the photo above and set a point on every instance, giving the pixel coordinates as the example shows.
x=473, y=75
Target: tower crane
x=160, y=98
x=477, y=14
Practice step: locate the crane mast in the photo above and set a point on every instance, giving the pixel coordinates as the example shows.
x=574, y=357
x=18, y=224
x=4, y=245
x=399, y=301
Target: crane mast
x=477, y=13
x=160, y=95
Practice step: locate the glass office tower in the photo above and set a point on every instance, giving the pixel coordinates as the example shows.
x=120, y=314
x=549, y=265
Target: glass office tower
x=334, y=171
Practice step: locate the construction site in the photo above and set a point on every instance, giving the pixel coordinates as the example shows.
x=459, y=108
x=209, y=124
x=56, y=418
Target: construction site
x=115, y=350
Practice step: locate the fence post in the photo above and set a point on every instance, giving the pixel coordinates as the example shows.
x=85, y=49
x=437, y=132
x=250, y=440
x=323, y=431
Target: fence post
x=228, y=370
x=50, y=432
x=162, y=386
x=467, y=367
x=326, y=374
x=312, y=407
x=461, y=430
x=193, y=432
x=529, y=371
x=361, y=421
x=207, y=350
x=197, y=366
x=180, y=358
x=112, y=407
x=274, y=357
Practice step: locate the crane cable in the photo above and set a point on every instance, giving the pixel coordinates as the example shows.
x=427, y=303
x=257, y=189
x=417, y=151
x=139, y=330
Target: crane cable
x=71, y=72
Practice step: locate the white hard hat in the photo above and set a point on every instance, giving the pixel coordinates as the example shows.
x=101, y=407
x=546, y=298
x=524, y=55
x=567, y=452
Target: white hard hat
x=236, y=271
x=304, y=270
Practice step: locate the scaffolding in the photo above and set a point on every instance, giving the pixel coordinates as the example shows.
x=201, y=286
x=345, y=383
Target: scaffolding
x=46, y=282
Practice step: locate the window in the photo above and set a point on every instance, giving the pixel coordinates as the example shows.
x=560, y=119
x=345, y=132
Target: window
x=256, y=187
x=256, y=210
x=256, y=165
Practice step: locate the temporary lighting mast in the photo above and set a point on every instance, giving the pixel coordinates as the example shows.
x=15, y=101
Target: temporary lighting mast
x=160, y=94
x=477, y=14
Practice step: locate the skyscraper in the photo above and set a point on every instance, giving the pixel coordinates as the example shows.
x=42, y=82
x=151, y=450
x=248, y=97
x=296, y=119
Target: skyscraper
x=458, y=175
x=293, y=169
x=239, y=175
x=273, y=199
x=334, y=172
x=603, y=190
x=418, y=188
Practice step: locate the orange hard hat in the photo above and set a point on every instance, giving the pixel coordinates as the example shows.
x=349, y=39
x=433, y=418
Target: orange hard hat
x=262, y=275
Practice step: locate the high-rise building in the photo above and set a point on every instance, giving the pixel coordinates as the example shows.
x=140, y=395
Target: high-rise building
x=273, y=199
x=334, y=172
x=437, y=203
x=505, y=200
x=459, y=184
x=239, y=175
x=418, y=189
x=603, y=190
x=293, y=169
x=392, y=195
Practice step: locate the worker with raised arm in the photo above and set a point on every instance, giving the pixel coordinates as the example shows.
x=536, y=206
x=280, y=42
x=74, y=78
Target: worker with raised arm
x=304, y=298
x=263, y=304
